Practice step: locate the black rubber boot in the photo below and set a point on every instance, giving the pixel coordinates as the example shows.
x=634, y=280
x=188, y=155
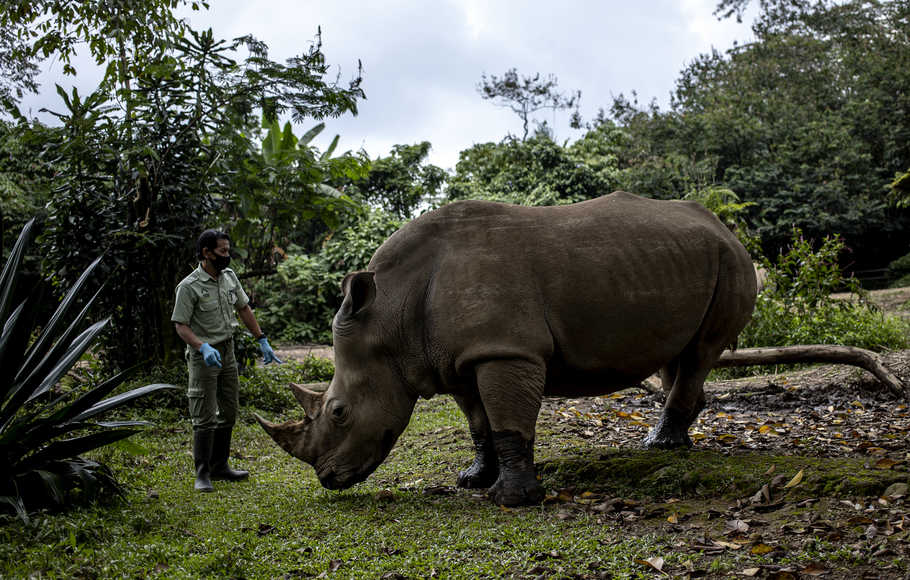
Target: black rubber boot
x=221, y=447
x=202, y=454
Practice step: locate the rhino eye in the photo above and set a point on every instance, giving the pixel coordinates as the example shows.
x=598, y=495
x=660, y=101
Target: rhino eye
x=338, y=410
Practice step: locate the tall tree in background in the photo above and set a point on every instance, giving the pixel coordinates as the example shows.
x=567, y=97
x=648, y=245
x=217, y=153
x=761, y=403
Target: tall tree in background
x=526, y=95
x=811, y=122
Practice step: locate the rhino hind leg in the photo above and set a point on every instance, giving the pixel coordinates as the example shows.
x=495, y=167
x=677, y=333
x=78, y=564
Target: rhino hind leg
x=511, y=392
x=484, y=470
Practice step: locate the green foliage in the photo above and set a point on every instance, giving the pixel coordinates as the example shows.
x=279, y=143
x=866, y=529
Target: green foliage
x=402, y=181
x=284, y=196
x=808, y=122
x=265, y=387
x=46, y=425
x=140, y=166
x=899, y=271
x=537, y=171
x=797, y=305
x=298, y=304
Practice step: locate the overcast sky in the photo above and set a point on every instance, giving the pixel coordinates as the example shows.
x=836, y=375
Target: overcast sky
x=422, y=59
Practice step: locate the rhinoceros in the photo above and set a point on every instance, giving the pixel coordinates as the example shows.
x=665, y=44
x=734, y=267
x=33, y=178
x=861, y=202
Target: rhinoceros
x=501, y=305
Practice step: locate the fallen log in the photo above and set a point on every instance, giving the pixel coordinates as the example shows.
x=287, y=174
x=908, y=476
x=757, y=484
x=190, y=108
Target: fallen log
x=814, y=353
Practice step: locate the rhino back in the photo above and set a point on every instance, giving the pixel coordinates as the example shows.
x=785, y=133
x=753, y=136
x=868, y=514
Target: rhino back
x=610, y=289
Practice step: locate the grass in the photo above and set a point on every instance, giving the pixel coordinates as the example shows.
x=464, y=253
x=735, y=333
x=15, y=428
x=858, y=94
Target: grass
x=406, y=520
x=281, y=523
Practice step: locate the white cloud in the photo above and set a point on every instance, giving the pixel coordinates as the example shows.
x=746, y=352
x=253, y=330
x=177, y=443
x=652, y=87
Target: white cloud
x=422, y=60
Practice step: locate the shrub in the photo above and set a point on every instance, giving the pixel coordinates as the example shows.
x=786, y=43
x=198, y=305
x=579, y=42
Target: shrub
x=900, y=271
x=298, y=303
x=797, y=305
x=265, y=387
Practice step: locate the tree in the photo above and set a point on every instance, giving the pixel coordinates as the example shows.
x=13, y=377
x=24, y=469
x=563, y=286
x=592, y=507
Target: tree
x=400, y=182
x=809, y=122
x=527, y=95
x=536, y=171
x=141, y=175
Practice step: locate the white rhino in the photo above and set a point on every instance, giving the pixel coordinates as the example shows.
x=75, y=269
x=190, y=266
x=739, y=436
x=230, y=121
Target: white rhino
x=501, y=305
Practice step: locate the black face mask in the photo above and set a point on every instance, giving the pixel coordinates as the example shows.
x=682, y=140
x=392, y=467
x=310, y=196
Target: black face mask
x=221, y=262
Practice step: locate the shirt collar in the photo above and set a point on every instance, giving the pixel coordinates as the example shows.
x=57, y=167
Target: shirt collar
x=205, y=275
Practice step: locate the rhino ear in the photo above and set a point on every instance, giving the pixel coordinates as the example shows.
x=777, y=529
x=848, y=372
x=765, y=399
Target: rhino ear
x=359, y=290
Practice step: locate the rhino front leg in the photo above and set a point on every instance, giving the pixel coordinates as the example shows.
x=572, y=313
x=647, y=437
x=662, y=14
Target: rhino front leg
x=485, y=468
x=511, y=391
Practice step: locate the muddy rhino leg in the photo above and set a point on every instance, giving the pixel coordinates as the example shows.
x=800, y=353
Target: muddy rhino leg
x=511, y=391
x=485, y=468
x=685, y=400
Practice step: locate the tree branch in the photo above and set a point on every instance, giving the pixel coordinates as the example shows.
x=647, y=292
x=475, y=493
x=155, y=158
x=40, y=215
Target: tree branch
x=815, y=353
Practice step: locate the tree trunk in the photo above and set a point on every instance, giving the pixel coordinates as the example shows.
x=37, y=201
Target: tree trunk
x=814, y=353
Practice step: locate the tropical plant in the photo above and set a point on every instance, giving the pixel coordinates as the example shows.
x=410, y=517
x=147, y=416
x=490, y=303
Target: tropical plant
x=45, y=423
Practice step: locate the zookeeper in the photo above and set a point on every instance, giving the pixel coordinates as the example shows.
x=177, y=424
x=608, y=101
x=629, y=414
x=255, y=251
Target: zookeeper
x=204, y=316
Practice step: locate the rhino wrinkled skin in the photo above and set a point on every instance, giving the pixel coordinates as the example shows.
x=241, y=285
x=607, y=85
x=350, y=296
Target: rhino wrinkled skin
x=501, y=305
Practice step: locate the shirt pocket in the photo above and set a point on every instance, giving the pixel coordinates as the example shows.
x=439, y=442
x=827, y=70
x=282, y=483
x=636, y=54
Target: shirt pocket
x=209, y=315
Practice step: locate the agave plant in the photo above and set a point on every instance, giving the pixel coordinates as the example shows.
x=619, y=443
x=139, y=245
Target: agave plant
x=44, y=429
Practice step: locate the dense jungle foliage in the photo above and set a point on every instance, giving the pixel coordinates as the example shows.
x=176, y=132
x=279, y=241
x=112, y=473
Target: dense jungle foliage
x=807, y=126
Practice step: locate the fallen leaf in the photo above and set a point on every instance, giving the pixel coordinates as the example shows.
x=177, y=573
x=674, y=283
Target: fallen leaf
x=737, y=526
x=761, y=549
x=885, y=463
x=673, y=518
x=656, y=563
x=750, y=571
x=730, y=545
x=771, y=470
x=814, y=569
x=796, y=480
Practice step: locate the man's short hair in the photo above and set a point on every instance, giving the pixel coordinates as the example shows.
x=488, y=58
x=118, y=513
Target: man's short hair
x=209, y=239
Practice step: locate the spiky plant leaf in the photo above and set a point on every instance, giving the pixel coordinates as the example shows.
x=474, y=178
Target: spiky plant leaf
x=10, y=274
x=67, y=448
x=53, y=330
x=39, y=466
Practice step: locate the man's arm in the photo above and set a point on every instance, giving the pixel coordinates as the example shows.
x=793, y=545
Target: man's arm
x=249, y=320
x=187, y=335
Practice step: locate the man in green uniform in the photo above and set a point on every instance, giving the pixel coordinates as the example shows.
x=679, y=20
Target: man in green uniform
x=204, y=316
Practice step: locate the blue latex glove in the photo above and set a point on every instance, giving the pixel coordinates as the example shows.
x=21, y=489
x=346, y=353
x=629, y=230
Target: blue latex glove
x=212, y=357
x=268, y=355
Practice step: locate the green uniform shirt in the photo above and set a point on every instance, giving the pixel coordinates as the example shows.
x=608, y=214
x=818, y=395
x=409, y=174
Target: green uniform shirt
x=207, y=305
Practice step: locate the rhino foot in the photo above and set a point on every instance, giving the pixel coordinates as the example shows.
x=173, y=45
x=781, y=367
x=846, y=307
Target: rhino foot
x=668, y=434
x=479, y=475
x=517, y=483
x=515, y=491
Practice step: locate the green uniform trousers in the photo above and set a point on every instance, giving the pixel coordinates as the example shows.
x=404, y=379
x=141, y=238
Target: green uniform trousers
x=213, y=391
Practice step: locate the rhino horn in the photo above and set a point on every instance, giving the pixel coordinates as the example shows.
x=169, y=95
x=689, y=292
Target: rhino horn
x=310, y=400
x=289, y=436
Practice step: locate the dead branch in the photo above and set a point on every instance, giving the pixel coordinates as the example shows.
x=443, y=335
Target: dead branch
x=814, y=353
